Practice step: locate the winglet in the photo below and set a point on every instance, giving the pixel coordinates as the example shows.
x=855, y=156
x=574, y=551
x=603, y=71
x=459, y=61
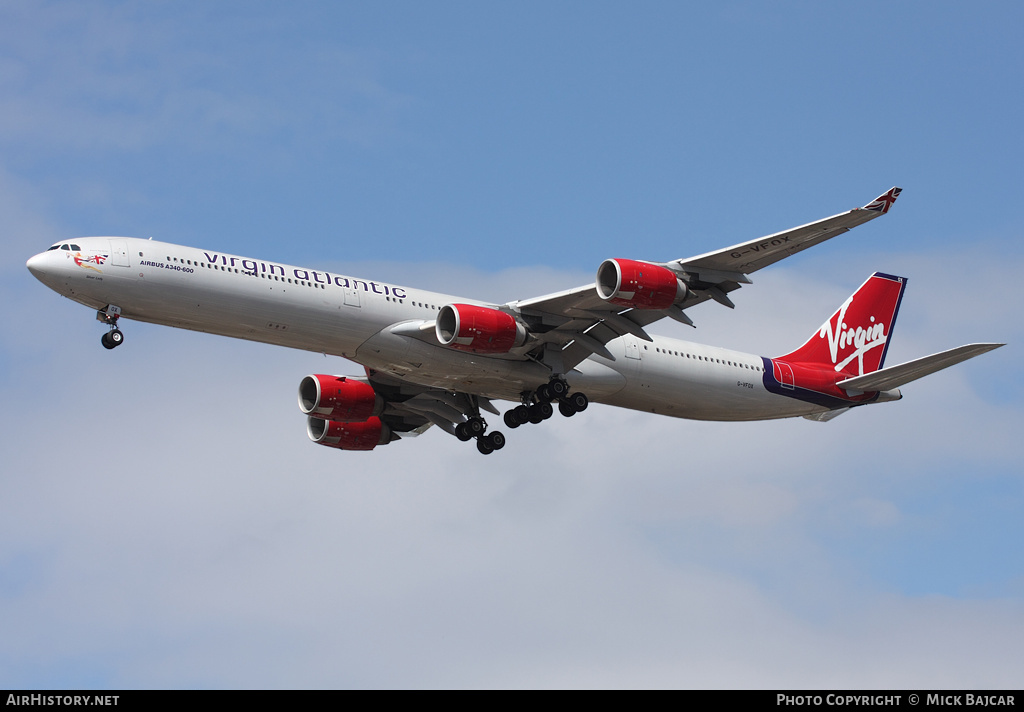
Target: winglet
x=882, y=203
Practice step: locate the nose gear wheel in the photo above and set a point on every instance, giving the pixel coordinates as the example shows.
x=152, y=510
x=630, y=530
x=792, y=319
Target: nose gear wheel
x=109, y=316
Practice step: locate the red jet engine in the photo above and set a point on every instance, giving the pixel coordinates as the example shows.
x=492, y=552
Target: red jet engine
x=640, y=285
x=481, y=330
x=337, y=398
x=348, y=436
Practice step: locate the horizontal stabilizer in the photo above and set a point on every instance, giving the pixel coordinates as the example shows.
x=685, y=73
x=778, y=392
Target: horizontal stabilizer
x=896, y=376
x=827, y=415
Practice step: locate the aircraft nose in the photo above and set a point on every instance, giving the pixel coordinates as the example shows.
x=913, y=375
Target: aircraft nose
x=35, y=264
x=43, y=268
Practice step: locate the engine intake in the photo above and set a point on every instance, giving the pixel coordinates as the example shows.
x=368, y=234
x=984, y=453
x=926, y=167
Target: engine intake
x=481, y=330
x=640, y=285
x=348, y=436
x=338, y=398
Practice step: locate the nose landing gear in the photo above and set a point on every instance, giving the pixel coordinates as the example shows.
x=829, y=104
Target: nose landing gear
x=109, y=316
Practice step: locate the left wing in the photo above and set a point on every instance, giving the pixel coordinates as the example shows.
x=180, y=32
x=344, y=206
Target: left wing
x=411, y=409
x=353, y=413
x=571, y=325
x=751, y=256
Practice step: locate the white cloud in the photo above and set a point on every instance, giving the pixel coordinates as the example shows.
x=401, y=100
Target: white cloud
x=165, y=522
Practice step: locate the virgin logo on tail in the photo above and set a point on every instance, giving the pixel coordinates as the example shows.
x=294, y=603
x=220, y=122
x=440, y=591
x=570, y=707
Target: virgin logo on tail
x=859, y=330
x=841, y=336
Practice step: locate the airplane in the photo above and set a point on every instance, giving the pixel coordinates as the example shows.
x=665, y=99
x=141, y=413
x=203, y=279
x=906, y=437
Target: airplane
x=433, y=359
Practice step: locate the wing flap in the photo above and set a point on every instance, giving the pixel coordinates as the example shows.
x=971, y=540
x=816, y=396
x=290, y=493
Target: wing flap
x=896, y=376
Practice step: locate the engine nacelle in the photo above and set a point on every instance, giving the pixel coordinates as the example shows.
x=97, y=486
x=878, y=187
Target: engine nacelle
x=348, y=436
x=337, y=398
x=481, y=330
x=640, y=285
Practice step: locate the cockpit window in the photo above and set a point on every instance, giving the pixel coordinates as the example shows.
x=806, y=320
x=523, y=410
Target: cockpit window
x=55, y=247
x=65, y=247
x=76, y=248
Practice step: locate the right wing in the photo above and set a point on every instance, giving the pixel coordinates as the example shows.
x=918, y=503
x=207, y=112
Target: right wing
x=573, y=324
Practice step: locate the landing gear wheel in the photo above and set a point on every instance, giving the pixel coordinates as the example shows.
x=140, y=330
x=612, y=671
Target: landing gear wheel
x=112, y=339
x=475, y=427
x=566, y=408
x=483, y=446
x=558, y=388
x=544, y=392
x=579, y=401
x=540, y=411
x=510, y=419
x=495, y=440
x=522, y=414
x=462, y=433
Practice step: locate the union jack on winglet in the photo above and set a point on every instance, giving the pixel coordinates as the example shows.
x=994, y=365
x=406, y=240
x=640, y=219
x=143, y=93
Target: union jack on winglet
x=882, y=203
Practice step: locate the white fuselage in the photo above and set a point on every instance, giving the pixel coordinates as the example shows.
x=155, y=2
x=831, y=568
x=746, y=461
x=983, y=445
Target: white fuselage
x=329, y=313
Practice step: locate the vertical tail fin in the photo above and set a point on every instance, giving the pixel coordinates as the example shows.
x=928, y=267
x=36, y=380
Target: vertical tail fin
x=856, y=338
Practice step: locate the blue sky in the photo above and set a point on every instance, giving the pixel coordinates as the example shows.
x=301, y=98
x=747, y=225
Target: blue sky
x=164, y=521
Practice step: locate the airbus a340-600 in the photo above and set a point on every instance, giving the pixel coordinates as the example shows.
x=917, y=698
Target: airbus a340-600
x=434, y=359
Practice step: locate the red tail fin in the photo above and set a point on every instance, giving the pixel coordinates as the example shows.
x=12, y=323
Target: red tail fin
x=855, y=339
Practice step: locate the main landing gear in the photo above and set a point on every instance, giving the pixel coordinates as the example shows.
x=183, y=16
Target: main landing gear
x=476, y=427
x=537, y=406
x=109, y=316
